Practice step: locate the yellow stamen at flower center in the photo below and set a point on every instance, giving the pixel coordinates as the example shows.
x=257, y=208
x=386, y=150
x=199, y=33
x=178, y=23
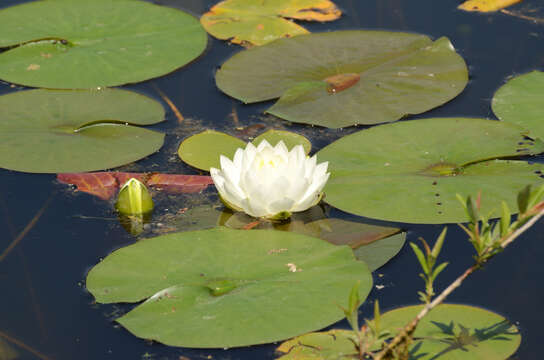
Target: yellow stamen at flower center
x=268, y=162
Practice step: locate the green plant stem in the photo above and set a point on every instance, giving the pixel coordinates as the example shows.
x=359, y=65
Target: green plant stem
x=406, y=334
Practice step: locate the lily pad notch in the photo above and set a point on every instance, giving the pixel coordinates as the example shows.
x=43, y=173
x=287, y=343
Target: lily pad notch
x=216, y=288
x=411, y=171
x=99, y=43
x=76, y=131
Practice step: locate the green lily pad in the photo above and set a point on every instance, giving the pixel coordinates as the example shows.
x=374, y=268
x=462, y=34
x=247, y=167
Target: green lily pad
x=519, y=101
x=291, y=139
x=411, y=171
x=87, y=44
x=452, y=332
x=247, y=23
x=449, y=332
x=378, y=253
x=56, y=131
x=202, y=150
x=344, y=78
x=375, y=245
x=227, y=288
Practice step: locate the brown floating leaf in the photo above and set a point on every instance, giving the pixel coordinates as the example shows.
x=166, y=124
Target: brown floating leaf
x=320, y=10
x=105, y=184
x=486, y=5
x=339, y=82
x=180, y=183
x=250, y=22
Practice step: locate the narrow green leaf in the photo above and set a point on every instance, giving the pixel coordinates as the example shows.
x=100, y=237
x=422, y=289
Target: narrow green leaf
x=377, y=315
x=354, y=300
x=523, y=199
x=535, y=197
x=420, y=258
x=472, y=210
x=505, y=219
x=438, y=244
x=438, y=270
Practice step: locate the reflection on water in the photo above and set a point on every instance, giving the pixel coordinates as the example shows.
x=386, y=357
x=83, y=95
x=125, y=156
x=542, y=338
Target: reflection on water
x=45, y=311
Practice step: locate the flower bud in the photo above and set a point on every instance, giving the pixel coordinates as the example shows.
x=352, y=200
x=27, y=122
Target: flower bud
x=134, y=198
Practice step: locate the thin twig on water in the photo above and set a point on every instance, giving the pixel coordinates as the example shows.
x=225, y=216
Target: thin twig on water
x=170, y=103
x=24, y=346
x=27, y=228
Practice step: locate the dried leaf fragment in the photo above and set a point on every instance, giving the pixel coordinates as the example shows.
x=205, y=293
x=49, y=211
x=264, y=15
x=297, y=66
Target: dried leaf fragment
x=33, y=67
x=486, y=5
x=323, y=10
x=250, y=22
x=105, y=184
x=340, y=82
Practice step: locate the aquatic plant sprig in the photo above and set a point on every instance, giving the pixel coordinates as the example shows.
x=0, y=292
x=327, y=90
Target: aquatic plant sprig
x=489, y=240
x=370, y=334
x=427, y=261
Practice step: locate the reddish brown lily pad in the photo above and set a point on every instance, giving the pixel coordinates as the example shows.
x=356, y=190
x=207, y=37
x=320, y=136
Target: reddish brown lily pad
x=105, y=184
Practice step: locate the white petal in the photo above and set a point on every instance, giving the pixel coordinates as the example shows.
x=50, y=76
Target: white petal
x=263, y=145
x=311, y=196
x=297, y=189
x=280, y=205
x=320, y=170
x=274, y=189
x=309, y=166
x=299, y=153
x=238, y=155
x=308, y=202
x=225, y=162
x=248, y=158
x=280, y=148
x=230, y=171
x=217, y=178
x=255, y=210
x=233, y=195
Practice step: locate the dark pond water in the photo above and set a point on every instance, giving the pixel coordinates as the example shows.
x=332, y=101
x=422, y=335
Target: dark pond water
x=44, y=305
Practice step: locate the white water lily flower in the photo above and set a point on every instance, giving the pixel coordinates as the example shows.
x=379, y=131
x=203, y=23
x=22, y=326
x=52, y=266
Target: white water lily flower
x=270, y=182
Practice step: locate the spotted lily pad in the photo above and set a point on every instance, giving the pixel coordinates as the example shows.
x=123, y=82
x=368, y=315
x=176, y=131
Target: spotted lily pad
x=247, y=22
x=344, y=78
x=203, y=150
x=519, y=101
x=227, y=288
x=411, y=171
x=449, y=332
x=86, y=44
x=54, y=131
